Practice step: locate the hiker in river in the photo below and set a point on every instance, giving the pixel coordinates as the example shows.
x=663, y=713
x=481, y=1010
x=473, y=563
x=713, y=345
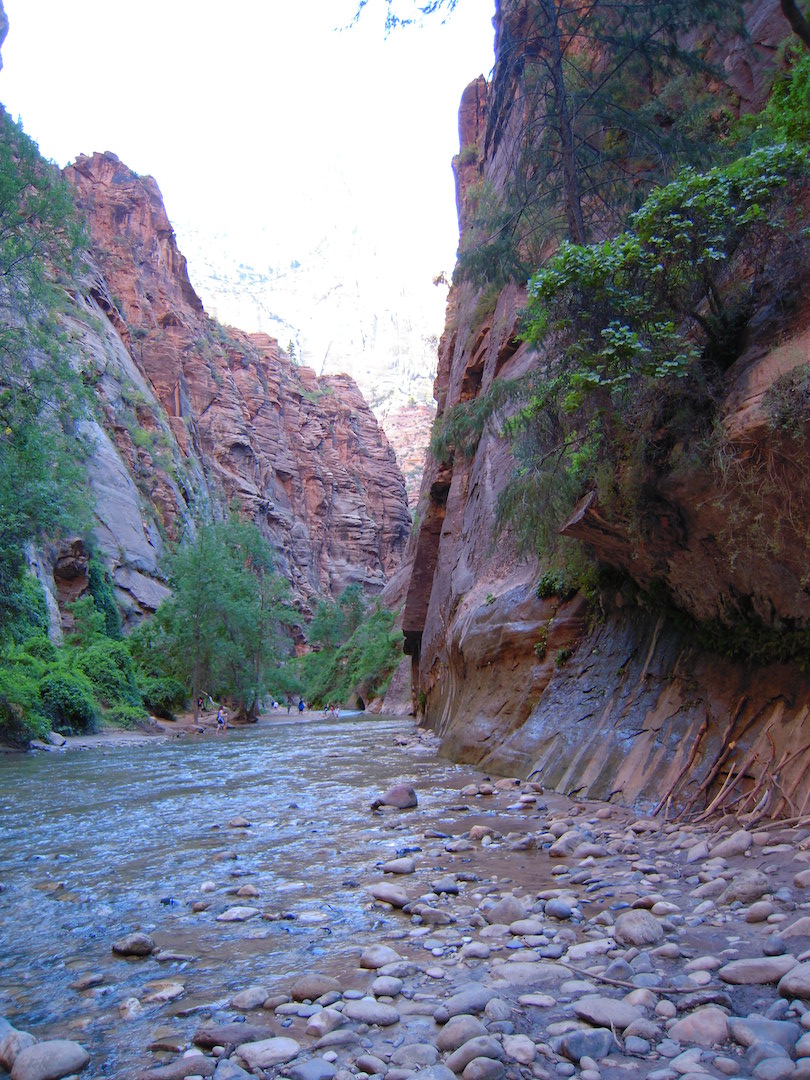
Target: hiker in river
x=301, y=706
x=222, y=722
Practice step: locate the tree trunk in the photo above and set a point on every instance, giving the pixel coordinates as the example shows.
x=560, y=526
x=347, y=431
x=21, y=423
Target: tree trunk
x=799, y=25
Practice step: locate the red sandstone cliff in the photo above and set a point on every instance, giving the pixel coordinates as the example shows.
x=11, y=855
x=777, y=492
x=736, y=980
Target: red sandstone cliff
x=631, y=708
x=205, y=417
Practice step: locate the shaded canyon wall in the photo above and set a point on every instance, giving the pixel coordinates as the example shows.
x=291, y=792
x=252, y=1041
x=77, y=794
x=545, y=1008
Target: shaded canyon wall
x=618, y=700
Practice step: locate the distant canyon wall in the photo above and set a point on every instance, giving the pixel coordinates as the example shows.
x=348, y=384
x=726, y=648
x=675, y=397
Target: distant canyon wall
x=195, y=418
x=622, y=700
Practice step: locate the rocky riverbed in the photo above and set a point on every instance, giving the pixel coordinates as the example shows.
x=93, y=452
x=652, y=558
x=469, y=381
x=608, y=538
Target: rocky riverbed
x=520, y=935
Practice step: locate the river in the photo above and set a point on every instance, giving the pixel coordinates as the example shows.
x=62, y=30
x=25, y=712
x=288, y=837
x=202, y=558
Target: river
x=99, y=843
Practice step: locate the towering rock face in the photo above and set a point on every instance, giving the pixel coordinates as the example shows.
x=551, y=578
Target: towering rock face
x=198, y=418
x=622, y=701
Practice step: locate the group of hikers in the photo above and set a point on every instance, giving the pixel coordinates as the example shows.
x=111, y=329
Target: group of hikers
x=330, y=711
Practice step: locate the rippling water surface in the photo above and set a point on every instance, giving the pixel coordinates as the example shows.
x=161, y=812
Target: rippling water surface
x=98, y=843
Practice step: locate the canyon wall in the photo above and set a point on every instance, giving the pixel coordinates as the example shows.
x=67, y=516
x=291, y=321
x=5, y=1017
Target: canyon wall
x=619, y=697
x=195, y=418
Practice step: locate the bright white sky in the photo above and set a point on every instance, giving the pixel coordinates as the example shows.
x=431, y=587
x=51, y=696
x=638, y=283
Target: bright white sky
x=256, y=118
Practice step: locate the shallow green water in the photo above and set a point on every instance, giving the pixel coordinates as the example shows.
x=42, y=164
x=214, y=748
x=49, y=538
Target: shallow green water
x=97, y=843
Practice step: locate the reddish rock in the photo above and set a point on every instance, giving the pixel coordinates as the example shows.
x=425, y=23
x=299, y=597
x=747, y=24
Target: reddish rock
x=303, y=456
x=630, y=708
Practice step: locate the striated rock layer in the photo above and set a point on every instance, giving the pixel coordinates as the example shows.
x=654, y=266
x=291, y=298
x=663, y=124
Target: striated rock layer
x=622, y=702
x=198, y=417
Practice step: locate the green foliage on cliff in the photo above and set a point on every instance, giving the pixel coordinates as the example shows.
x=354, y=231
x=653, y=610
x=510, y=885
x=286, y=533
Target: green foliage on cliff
x=610, y=101
x=41, y=396
x=358, y=650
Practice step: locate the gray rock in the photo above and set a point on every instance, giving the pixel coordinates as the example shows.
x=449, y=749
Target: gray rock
x=389, y=893
x=401, y=796
x=405, y=865
x=747, y=886
x=324, y=1022
x=12, y=1043
x=370, y=1063
x=746, y=1030
x=796, y=982
x=558, y=908
x=193, y=1065
x=596, y=1043
x=312, y=1069
x=766, y=969
x=473, y=999
x=134, y=945
x=483, y=1068
x=509, y=909
x=458, y=1031
x=386, y=986
x=229, y=1070
x=266, y=1053
x=238, y=914
x=636, y=1046
x=415, y=1055
x=638, y=927
x=210, y=1035
x=737, y=844
x=481, y=1046
x=436, y=1072
x=313, y=985
x=251, y=998
x=377, y=956
x=49, y=1060
x=607, y=1012
x=706, y=1027
x=369, y=1011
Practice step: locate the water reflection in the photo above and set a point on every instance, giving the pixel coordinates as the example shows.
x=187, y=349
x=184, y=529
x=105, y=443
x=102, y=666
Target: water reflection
x=99, y=843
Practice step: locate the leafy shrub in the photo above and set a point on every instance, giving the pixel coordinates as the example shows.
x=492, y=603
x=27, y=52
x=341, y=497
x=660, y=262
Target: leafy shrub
x=128, y=717
x=40, y=648
x=21, y=717
x=636, y=332
x=100, y=588
x=68, y=702
x=787, y=402
x=28, y=610
x=162, y=695
x=109, y=668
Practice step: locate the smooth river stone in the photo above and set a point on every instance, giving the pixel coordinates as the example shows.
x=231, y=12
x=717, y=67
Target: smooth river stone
x=268, y=1052
x=370, y=1011
x=606, y=1011
x=638, y=927
x=766, y=969
x=325, y=1022
x=313, y=1069
x=210, y=1035
x=508, y=910
x=405, y=865
x=238, y=914
x=193, y=1065
x=471, y=1000
x=747, y=886
x=313, y=985
x=49, y=1060
x=704, y=1026
x=737, y=844
x=13, y=1043
x=458, y=1030
x=250, y=998
x=520, y=1048
x=389, y=893
x=134, y=945
x=796, y=982
x=377, y=956
x=481, y=1046
x=401, y=796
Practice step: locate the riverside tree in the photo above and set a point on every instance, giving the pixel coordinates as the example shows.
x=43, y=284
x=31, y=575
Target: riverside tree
x=222, y=631
x=612, y=99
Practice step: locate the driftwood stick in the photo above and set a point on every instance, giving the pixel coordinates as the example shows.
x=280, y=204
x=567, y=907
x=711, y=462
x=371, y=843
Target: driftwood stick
x=667, y=796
